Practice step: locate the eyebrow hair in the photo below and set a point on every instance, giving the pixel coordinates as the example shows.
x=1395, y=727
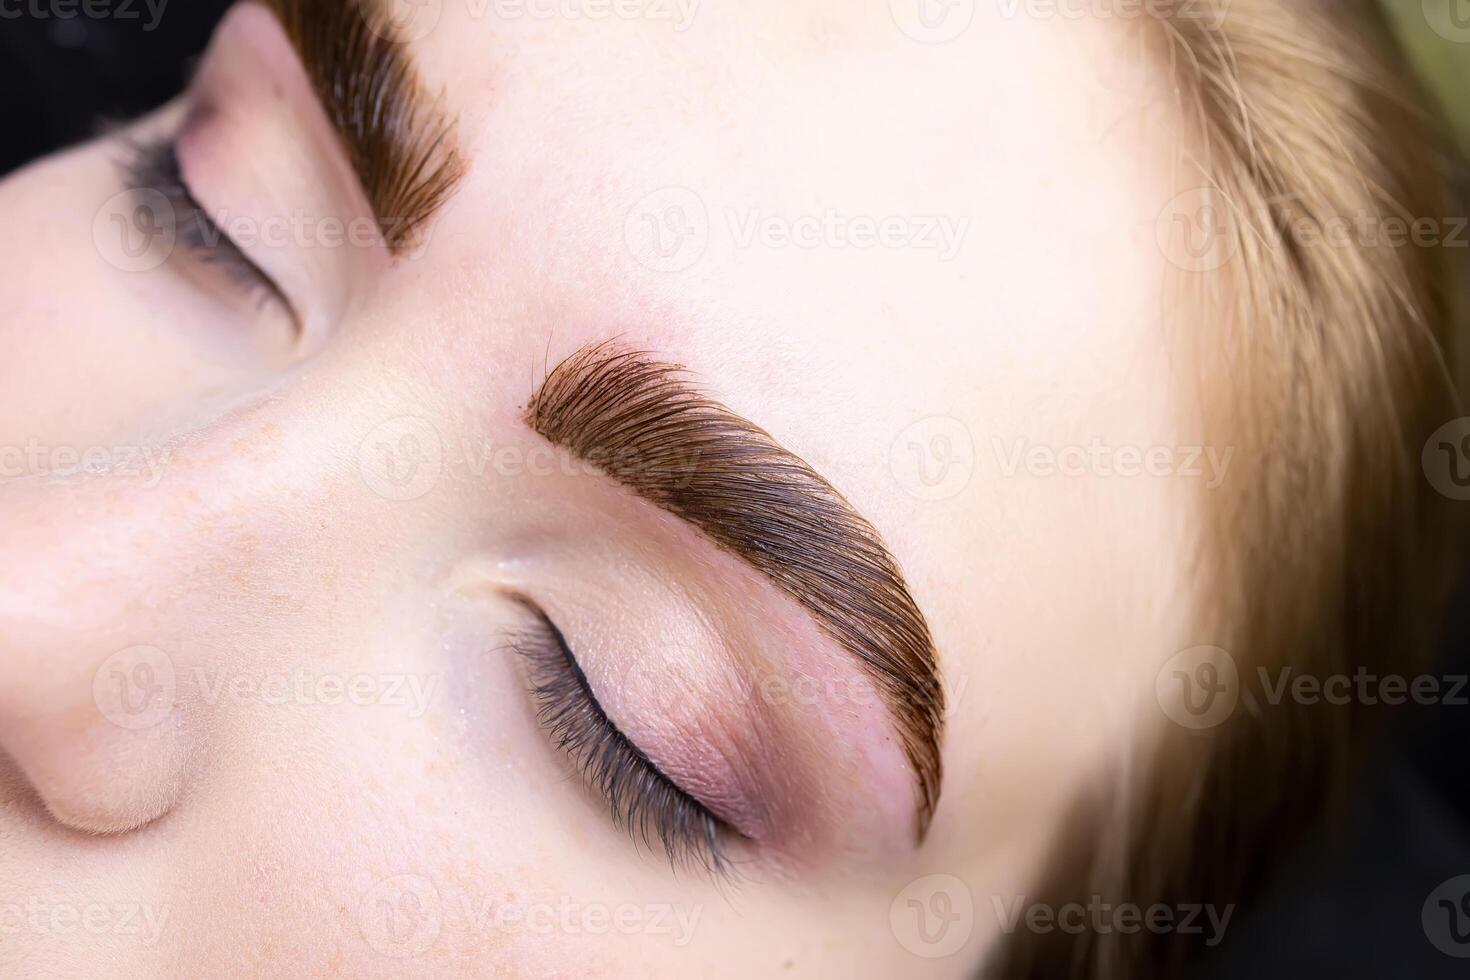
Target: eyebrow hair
x=647, y=426
x=398, y=138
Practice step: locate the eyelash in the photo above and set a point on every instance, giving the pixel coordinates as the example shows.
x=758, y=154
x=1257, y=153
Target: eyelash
x=153, y=165
x=644, y=802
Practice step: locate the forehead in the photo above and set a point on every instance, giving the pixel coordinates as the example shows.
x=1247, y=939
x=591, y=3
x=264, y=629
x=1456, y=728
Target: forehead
x=810, y=206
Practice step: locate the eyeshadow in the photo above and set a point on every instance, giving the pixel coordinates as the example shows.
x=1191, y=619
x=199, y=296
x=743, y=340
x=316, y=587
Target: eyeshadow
x=647, y=426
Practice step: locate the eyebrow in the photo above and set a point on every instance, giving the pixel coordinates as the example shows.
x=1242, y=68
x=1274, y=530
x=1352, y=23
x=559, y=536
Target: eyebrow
x=399, y=138
x=644, y=423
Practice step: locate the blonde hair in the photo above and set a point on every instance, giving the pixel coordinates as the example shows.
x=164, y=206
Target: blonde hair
x=1325, y=362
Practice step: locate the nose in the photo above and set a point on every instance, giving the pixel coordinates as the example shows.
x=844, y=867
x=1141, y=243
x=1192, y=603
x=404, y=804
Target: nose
x=88, y=652
x=118, y=587
x=208, y=544
x=132, y=583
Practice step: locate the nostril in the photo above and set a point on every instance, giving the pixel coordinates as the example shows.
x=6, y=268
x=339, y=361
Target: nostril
x=114, y=600
x=107, y=785
x=111, y=815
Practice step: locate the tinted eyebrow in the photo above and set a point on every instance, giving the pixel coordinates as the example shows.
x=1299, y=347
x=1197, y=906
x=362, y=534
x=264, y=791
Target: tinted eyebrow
x=399, y=138
x=645, y=423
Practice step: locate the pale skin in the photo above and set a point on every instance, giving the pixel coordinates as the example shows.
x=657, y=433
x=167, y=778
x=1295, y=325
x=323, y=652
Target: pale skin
x=316, y=829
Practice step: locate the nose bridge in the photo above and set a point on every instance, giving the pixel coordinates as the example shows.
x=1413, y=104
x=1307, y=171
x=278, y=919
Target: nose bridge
x=76, y=556
x=114, y=584
x=92, y=559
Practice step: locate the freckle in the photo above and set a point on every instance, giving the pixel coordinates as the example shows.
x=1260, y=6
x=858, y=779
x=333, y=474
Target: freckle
x=260, y=443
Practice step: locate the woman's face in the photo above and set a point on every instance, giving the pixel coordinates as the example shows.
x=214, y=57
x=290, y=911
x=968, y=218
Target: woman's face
x=285, y=560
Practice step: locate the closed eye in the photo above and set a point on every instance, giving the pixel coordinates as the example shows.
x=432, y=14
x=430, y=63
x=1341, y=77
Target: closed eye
x=153, y=165
x=644, y=801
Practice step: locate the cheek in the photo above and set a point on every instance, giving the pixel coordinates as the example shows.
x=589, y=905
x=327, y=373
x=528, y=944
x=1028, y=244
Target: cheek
x=371, y=847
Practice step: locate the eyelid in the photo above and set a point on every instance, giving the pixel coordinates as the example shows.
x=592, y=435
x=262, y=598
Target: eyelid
x=645, y=802
x=153, y=165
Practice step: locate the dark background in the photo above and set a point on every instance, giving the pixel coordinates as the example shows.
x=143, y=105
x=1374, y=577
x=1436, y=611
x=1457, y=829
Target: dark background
x=60, y=78
x=1350, y=906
